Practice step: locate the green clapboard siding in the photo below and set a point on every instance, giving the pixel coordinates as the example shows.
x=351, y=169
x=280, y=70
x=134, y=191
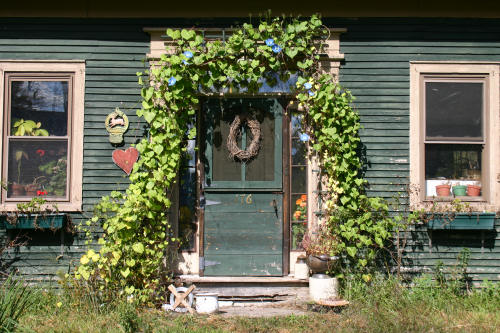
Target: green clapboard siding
x=376, y=70
x=113, y=53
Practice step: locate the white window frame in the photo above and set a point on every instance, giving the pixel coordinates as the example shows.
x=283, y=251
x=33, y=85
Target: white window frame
x=75, y=173
x=422, y=70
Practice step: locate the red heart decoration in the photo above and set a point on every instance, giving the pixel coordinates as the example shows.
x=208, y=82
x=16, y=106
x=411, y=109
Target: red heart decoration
x=125, y=159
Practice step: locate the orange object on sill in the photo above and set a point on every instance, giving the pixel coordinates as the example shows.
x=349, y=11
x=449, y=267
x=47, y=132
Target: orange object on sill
x=473, y=190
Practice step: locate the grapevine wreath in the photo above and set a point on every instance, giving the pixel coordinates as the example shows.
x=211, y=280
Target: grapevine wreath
x=234, y=131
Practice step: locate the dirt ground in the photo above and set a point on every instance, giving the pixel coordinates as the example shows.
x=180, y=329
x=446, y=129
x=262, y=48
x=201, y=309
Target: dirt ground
x=263, y=310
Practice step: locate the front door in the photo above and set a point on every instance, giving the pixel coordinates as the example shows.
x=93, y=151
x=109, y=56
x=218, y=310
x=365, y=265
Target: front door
x=243, y=220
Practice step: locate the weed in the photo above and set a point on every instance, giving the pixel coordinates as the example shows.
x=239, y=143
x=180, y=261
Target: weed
x=15, y=299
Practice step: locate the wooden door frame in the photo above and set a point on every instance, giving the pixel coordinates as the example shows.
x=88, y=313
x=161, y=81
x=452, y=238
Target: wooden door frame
x=200, y=171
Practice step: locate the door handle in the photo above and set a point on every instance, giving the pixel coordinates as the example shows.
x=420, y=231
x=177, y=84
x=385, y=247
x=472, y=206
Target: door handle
x=275, y=205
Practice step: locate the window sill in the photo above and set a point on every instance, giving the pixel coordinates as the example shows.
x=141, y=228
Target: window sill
x=452, y=198
x=61, y=207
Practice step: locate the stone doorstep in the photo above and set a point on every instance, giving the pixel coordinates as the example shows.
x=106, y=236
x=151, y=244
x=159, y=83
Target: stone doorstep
x=244, y=291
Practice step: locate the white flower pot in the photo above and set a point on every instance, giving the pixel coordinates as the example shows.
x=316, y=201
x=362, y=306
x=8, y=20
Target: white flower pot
x=207, y=302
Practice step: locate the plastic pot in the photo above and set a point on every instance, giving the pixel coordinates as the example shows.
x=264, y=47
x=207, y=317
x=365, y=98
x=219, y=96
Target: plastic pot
x=459, y=190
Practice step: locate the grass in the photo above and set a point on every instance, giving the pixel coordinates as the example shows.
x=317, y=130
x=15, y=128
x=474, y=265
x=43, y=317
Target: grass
x=383, y=306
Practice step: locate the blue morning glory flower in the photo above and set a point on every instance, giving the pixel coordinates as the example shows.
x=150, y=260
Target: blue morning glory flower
x=307, y=85
x=304, y=137
x=276, y=48
x=188, y=54
x=269, y=42
x=311, y=93
x=171, y=81
x=185, y=62
x=294, y=151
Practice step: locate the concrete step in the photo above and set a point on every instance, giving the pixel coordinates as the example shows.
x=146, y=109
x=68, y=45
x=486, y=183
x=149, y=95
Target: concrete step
x=250, y=289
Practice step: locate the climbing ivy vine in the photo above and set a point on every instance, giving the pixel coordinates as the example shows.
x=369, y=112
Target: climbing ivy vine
x=137, y=240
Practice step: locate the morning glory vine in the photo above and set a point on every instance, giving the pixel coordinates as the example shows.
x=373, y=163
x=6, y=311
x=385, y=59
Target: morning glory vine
x=138, y=246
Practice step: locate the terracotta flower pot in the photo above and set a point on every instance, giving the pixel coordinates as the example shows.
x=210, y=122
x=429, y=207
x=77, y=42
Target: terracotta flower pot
x=31, y=189
x=16, y=189
x=443, y=190
x=473, y=190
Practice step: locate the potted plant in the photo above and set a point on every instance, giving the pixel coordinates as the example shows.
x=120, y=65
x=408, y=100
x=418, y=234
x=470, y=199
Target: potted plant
x=459, y=190
x=18, y=189
x=322, y=248
x=443, y=190
x=474, y=190
x=23, y=127
x=35, y=214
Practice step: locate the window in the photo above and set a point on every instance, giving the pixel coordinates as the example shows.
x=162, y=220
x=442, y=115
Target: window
x=454, y=132
x=42, y=132
x=298, y=181
x=187, y=198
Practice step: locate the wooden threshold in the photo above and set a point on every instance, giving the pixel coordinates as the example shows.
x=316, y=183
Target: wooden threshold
x=241, y=279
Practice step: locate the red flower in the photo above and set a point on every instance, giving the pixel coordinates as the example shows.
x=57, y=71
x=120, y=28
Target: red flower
x=41, y=192
x=40, y=152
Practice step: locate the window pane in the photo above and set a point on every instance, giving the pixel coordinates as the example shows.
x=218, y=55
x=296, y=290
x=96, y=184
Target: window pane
x=299, y=207
x=452, y=164
x=262, y=166
x=43, y=102
x=454, y=110
x=296, y=124
x=36, y=166
x=298, y=152
x=298, y=231
x=443, y=161
x=299, y=179
x=187, y=207
x=224, y=168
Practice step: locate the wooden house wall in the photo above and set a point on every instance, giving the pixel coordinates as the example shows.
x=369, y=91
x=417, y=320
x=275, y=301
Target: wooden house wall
x=376, y=70
x=114, y=51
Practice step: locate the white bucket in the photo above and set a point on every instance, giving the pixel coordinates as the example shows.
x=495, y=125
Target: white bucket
x=207, y=302
x=322, y=286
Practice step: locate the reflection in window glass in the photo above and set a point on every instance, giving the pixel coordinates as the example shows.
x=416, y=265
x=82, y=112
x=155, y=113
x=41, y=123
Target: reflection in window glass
x=446, y=161
x=298, y=181
x=187, y=198
x=454, y=110
x=43, y=102
x=37, y=167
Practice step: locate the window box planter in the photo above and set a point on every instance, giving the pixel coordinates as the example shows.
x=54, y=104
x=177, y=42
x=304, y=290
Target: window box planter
x=462, y=221
x=35, y=221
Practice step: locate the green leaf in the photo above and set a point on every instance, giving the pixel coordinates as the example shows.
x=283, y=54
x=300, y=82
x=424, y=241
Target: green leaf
x=187, y=34
x=351, y=251
x=149, y=116
x=291, y=52
x=125, y=272
x=174, y=34
x=138, y=247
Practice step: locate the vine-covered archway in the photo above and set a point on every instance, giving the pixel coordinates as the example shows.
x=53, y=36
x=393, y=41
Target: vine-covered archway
x=133, y=256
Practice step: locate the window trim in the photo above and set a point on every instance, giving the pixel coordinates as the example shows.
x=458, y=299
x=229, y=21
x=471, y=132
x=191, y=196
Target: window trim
x=419, y=70
x=75, y=171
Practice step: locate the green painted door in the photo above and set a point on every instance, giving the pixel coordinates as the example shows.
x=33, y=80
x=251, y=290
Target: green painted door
x=243, y=226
